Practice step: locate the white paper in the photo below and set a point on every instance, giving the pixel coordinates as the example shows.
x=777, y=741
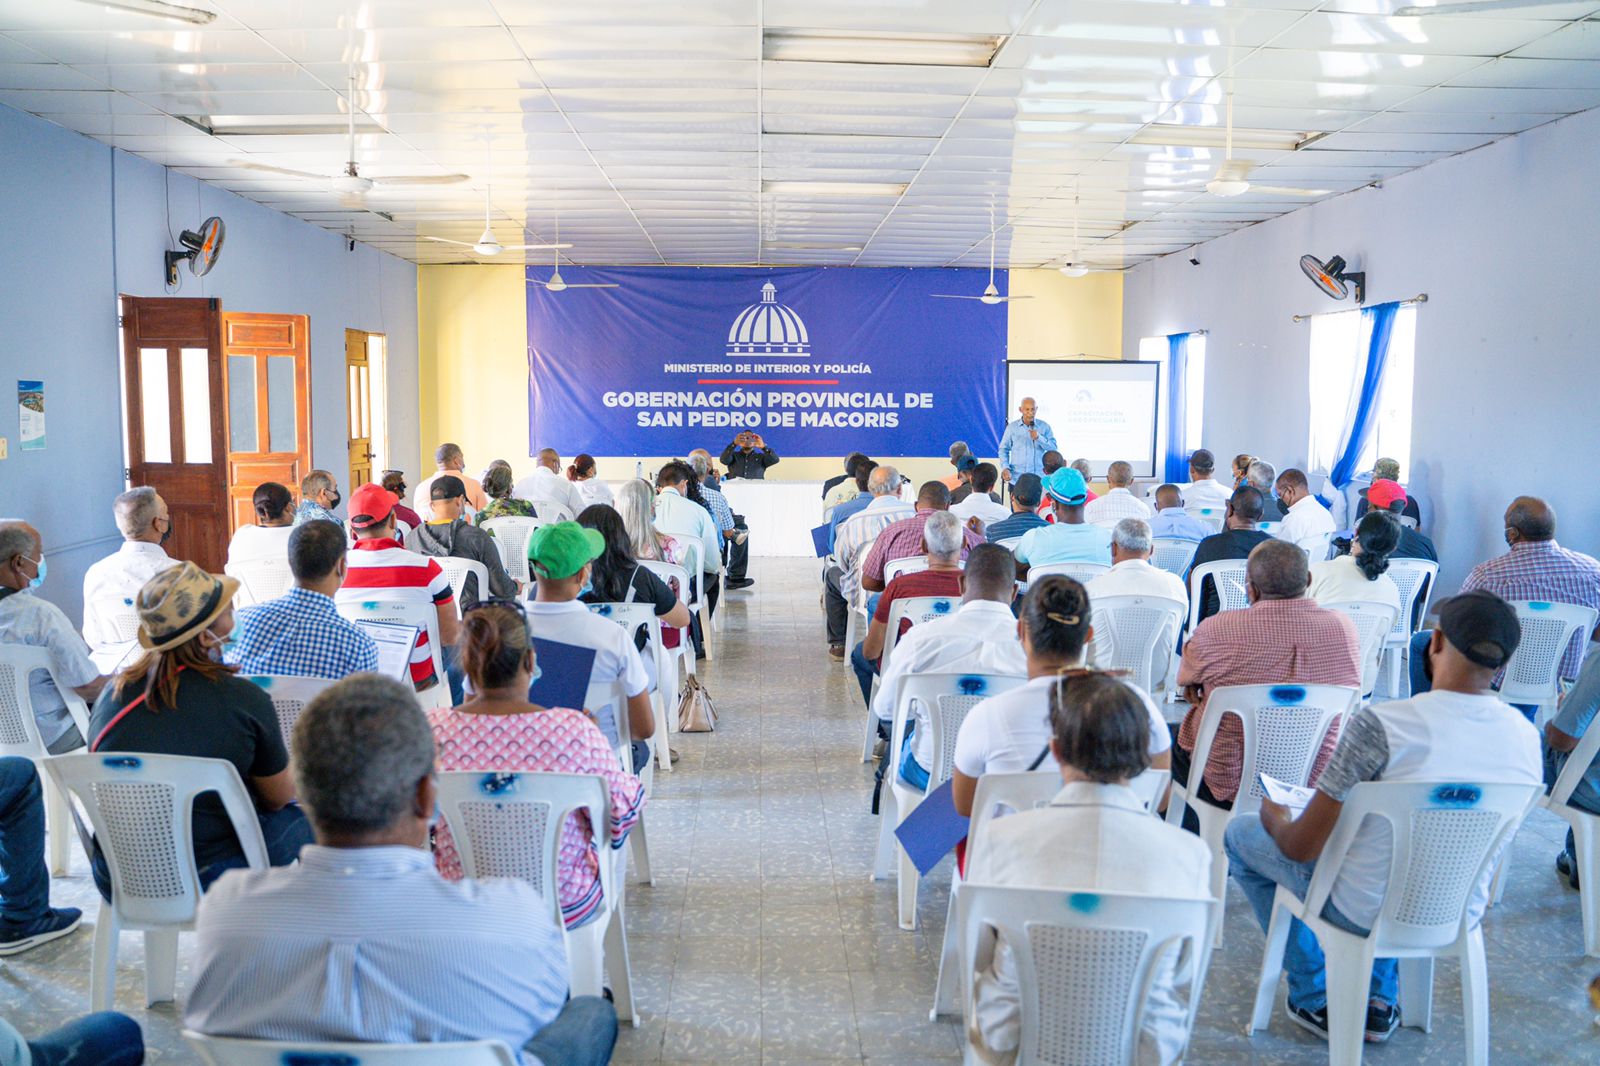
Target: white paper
x=1293, y=797
x=395, y=643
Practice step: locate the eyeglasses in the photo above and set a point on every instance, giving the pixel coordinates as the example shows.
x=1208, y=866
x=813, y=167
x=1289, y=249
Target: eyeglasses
x=498, y=601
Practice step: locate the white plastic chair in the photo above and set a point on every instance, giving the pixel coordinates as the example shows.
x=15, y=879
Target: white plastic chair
x=681, y=657
x=140, y=807
x=1585, y=832
x=1228, y=577
x=1416, y=579
x=948, y=697
x=1172, y=554
x=1210, y=516
x=260, y=580
x=456, y=571
x=550, y=511
x=1533, y=673
x=511, y=536
x=19, y=735
x=1085, y=961
x=1269, y=528
x=289, y=696
x=1374, y=622
x=373, y=607
x=595, y=697
x=508, y=824
x=121, y=613
x=630, y=616
x=1009, y=543
x=916, y=609
x=1137, y=634
x=233, y=1051
x=699, y=604
x=1445, y=836
x=911, y=564
x=1283, y=726
x=1080, y=572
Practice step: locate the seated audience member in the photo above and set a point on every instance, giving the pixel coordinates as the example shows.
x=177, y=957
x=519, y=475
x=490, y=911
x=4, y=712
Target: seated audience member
x=450, y=463
x=498, y=729
x=1360, y=575
x=844, y=483
x=1261, y=476
x=903, y=539
x=1205, y=490
x=1389, y=496
x=1011, y=732
x=373, y=923
x=546, y=485
x=1131, y=573
x=1460, y=731
x=1237, y=540
x=269, y=537
x=941, y=541
x=964, y=471
x=113, y=582
x=104, y=1038
x=497, y=486
x=1241, y=467
x=29, y=619
x=1574, y=718
x=1118, y=502
x=1172, y=522
x=377, y=564
x=1099, y=742
x=182, y=699
x=1306, y=523
x=1082, y=467
x=1070, y=539
x=1026, y=492
x=1051, y=462
x=981, y=502
x=954, y=481
x=748, y=456
x=583, y=473
x=561, y=558
x=301, y=634
x=1388, y=470
x=1283, y=637
x=636, y=504
x=618, y=578
x=731, y=527
x=319, y=496
x=680, y=511
x=448, y=534
x=855, y=504
x=395, y=482
x=26, y=917
x=853, y=539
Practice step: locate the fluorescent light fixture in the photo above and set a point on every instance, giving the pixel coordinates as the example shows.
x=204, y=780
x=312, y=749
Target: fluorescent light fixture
x=806, y=246
x=834, y=188
x=1469, y=7
x=279, y=125
x=902, y=49
x=193, y=16
x=1171, y=134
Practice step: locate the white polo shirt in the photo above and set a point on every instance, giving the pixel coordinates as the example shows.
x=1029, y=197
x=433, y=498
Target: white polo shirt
x=1005, y=734
x=1136, y=577
x=116, y=580
x=545, y=484
x=1305, y=525
x=615, y=657
x=1207, y=493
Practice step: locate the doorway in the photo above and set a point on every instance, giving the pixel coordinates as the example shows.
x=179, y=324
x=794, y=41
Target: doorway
x=268, y=373
x=367, y=404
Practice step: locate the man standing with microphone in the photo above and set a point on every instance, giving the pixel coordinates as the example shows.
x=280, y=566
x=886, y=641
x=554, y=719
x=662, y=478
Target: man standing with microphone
x=1024, y=443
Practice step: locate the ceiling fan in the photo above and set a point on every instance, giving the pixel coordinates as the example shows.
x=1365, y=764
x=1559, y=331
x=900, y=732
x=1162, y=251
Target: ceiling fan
x=1074, y=267
x=991, y=295
x=556, y=283
x=486, y=245
x=351, y=182
x=1233, y=175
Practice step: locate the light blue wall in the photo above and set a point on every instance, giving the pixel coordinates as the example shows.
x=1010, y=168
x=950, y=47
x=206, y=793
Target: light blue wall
x=81, y=223
x=1507, y=400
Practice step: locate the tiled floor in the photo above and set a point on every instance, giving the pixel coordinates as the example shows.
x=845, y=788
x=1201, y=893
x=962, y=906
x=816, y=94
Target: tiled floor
x=763, y=940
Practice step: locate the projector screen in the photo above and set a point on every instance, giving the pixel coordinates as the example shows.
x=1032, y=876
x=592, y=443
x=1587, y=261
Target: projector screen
x=1100, y=410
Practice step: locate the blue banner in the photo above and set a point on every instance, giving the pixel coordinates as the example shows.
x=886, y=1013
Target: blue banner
x=818, y=361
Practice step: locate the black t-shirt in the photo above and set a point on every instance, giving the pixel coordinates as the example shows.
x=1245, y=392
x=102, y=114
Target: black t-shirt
x=1414, y=545
x=1411, y=511
x=221, y=718
x=644, y=586
x=1229, y=544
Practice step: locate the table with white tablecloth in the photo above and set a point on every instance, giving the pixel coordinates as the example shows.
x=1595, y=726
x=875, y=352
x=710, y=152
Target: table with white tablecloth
x=780, y=514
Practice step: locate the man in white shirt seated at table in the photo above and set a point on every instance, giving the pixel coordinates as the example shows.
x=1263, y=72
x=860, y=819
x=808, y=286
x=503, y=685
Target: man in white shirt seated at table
x=145, y=525
x=978, y=503
x=1306, y=522
x=362, y=940
x=1203, y=489
x=1119, y=502
x=1095, y=836
x=1131, y=573
x=548, y=485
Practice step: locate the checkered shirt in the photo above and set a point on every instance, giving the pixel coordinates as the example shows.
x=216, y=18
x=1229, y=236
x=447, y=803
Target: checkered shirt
x=1543, y=570
x=856, y=535
x=904, y=539
x=1114, y=506
x=1270, y=643
x=299, y=634
x=717, y=503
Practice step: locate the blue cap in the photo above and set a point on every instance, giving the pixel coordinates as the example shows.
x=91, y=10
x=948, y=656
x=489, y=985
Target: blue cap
x=1067, y=486
x=967, y=462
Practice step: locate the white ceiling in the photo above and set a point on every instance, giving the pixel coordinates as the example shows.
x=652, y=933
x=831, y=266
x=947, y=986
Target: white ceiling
x=651, y=125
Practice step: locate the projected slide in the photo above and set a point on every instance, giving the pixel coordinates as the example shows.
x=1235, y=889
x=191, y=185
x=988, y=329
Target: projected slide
x=1101, y=411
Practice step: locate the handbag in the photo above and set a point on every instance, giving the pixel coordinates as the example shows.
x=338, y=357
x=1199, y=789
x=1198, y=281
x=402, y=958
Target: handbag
x=695, y=711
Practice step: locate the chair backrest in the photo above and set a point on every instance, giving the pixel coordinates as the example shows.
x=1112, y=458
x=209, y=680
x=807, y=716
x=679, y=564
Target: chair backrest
x=1082, y=572
x=120, y=612
x=1374, y=622
x=511, y=536
x=1211, y=516
x=1136, y=634
x=948, y=698
x=1085, y=963
x=233, y=1051
x=998, y=795
x=630, y=616
x=1009, y=543
x=695, y=567
x=1533, y=673
x=1415, y=578
x=1283, y=730
x=260, y=580
x=1408, y=522
x=19, y=730
x=289, y=697
x=508, y=824
x=1269, y=528
x=916, y=610
x=1575, y=768
x=1172, y=554
x=1317, y=547
x=1228, y=576
x=456, y=571
x=375, y=608
x=600, y=694
x=551, y=511
x=1446, y=836
x=911, y=564
x=676, y=577
x=139, y=806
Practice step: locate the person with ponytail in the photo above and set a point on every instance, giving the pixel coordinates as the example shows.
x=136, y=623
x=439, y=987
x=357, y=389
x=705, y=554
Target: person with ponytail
x=1360, y=576
x=269, y=537
x=617, y=577
x=581, y=472
x=1011, y=732
x=498, y=729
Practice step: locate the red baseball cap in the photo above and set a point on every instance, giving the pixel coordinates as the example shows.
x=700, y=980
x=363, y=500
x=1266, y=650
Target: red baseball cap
x=370, y=505
x=1385, y=493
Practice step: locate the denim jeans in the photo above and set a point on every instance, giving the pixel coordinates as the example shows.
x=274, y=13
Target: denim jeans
x=24, y=881
x=103, y=1039
x=583, y=1034
x=1421, y=682
x=285, y=831
x=866, y=670
x=1259, y=867
x=455, y=675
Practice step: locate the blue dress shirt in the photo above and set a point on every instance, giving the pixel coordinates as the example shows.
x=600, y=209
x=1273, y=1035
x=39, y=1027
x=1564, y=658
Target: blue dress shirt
x=1020, y=453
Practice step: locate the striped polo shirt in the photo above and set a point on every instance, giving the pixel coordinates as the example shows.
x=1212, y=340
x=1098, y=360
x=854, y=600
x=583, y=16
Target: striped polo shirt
x=381, y=564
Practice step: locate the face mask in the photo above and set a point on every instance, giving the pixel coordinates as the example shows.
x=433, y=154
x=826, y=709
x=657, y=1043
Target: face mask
x=167, y=533
x=1427, y=664
x=1283, y=508
x=44, y=568
x=334, y=501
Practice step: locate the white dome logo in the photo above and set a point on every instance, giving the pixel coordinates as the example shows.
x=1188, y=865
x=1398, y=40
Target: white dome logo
x=768, y=328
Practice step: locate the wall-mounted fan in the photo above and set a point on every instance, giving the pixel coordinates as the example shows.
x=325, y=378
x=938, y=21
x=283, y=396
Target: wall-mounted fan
x=200, y=247
x=1332, y=278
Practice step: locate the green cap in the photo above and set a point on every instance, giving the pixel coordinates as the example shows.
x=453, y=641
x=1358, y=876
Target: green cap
x=560, y=550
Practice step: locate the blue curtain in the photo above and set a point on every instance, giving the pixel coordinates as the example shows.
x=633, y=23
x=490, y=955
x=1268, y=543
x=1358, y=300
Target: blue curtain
x=1380, y=323
x=1177, y=464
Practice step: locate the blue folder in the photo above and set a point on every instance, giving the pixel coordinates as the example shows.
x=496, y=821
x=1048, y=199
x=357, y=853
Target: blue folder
x=820, y=538
x=563, y=679
x=932, y=829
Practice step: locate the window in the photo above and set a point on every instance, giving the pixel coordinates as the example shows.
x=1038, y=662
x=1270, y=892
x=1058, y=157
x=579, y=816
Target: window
x=1156, y=350
x=1338, y=346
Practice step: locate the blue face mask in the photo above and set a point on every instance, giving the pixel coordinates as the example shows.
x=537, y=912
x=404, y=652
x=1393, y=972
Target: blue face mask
x=44, y=568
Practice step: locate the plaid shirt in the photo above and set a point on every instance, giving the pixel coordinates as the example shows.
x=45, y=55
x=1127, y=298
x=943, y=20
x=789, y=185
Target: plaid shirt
x=903, y=540
x=1543, y=570
x=299, y=634
x=718, y=505
x=1272, y=642
x=857, y=534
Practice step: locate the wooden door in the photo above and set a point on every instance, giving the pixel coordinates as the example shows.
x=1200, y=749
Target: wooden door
x=268, y=361
x=173, y=369
x=358, y=418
